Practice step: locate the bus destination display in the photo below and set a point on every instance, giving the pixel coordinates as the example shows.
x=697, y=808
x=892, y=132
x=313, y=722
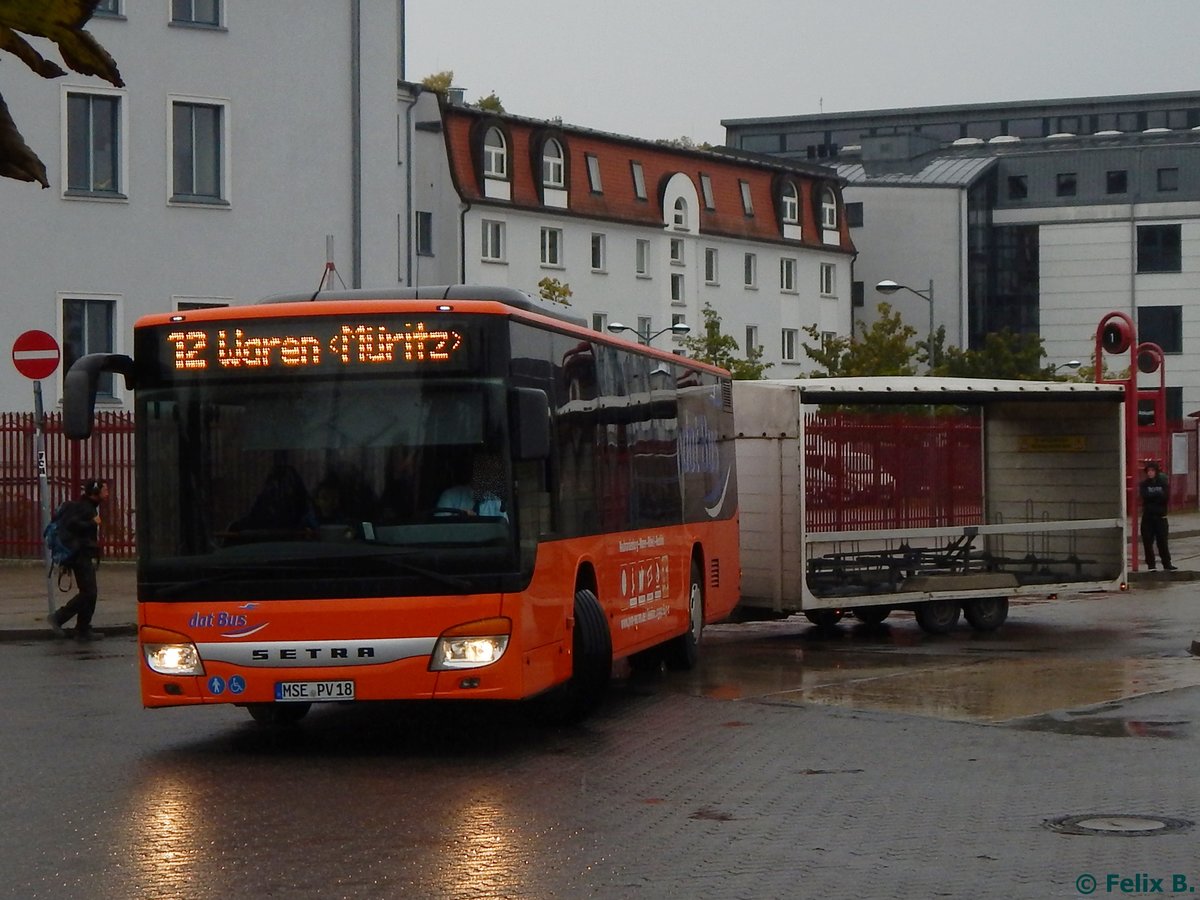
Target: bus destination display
x=317, y=344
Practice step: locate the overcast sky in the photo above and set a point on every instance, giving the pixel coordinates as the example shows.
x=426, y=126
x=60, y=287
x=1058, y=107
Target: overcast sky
x=668, y=68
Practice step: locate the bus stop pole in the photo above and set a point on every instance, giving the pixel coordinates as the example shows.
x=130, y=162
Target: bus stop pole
x=39, y=450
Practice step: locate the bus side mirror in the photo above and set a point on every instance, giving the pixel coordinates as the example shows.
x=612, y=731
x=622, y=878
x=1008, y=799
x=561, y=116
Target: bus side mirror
x=529, y=423
x=79, y=390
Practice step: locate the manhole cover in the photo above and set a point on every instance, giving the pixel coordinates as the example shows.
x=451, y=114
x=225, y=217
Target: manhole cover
x=1124, y=825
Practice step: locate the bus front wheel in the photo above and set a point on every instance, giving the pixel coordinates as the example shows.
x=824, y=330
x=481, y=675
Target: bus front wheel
x=591, y=666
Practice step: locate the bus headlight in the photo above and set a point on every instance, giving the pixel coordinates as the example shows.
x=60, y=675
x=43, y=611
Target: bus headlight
x=472, y=645
x=173, y=659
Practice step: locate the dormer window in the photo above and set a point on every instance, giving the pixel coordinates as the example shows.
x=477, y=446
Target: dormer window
x=791, y=204
x=679, y=217
x=495, y=154
x=789, y=211
x=828, y=210
x=552, y=164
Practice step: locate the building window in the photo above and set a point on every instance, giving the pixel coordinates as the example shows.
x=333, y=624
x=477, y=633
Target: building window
x=93, y=144
x=1162, y=325
x=552, y=247
x=787, y=275
x=552, y=164
x=828, y=210
x=593, y=170
x=676, y=287
x=1018, y=187
x=858, y=293
x=710, y=265
x=1168, y=179
x=677, y=252
x=751, y=339
x=1117, y=182
x=827, y=280
x=89, y=327
x=706, y=192
x=1065, y=184
x=424, y=230
x=600, y=322
x=198, y=150
x=854, y=215
x=750, y=270
x=1158, y=248
x=678, y=319
x=493, y=241
x=196, y=12
x=639, y=180
x=747, y=200
x=108, y=8
x=790, y=204
x=644, y=327
x=599, y=253
x=495, y=154
x=788, y=350
x=642, y=258
x=679, y=216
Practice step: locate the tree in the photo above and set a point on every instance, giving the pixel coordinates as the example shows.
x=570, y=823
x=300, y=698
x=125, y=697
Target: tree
x=684, y=143
x=490, y=103
x=1004, y=355
x=555, y=291
x=439, y=82
x=721, y=349
x=882, y=349
x=59, y=21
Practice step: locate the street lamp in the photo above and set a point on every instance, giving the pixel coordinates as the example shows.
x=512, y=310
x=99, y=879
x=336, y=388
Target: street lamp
x=889, y=287
x=1072, y=364
x=679, y=328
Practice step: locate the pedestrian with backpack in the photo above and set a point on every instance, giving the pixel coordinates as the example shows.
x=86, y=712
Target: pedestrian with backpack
x=79, y=528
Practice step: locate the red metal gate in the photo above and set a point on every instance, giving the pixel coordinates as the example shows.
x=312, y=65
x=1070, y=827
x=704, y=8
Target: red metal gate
x=107, y=455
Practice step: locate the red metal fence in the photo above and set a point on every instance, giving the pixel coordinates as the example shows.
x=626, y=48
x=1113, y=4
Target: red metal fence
x=108, y=455
x=870, y=470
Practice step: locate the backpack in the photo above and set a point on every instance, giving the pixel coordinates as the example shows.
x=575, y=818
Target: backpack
x=60, y=553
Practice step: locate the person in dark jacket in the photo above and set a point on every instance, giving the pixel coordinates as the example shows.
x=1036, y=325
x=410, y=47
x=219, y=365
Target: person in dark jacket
x=80, y=525
x=1154, y=492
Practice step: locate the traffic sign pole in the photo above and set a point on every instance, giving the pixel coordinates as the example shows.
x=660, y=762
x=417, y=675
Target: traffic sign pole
x=35, y=354
x=39, y=450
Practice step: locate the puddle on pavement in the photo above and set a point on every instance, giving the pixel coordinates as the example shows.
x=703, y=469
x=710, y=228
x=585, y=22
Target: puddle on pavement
x=956, y=686
x=1104, y=726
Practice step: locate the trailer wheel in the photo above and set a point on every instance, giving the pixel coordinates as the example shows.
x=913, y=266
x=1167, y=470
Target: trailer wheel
x=937, y=616
x=682, y=653
x=824, y=618
x=591, y=668
x=273, y=714
x=986, y=613
x=872, y=616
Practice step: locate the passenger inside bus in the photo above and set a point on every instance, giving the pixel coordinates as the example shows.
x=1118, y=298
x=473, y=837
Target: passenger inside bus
x=482, y=496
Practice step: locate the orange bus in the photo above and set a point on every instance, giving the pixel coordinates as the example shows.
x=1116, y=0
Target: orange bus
x=434, y=493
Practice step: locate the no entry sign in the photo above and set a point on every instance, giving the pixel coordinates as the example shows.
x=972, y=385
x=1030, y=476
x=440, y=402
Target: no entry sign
x=35, y=354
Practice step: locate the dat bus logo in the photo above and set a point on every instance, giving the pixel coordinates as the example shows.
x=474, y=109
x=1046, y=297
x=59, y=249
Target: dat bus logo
x=220, y=619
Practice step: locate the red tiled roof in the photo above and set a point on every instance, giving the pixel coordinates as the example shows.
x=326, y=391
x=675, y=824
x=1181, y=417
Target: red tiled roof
x=618, y=202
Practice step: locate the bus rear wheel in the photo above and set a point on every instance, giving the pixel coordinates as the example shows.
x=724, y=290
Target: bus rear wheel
x=937, y=616
x=682, y=653
x=986, y=613
x=277, y=713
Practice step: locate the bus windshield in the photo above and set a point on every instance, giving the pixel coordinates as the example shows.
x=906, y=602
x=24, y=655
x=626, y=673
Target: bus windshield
x=326, y=487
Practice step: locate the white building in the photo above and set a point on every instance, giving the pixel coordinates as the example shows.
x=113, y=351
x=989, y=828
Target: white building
x=246, y=134
x=645, y=234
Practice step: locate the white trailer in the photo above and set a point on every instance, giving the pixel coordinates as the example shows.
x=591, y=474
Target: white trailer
x=860, y=496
